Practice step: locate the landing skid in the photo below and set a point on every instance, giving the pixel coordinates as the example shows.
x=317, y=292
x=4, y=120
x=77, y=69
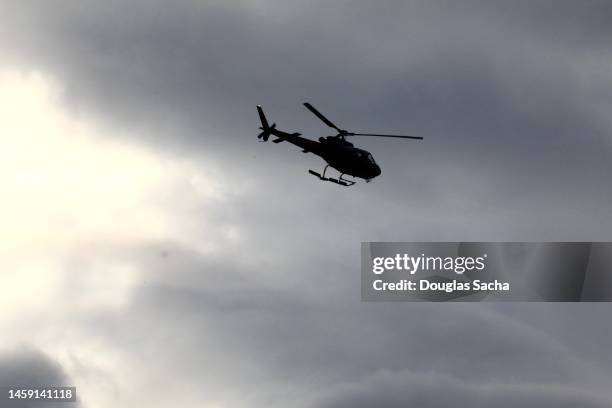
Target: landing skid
x=341, y=181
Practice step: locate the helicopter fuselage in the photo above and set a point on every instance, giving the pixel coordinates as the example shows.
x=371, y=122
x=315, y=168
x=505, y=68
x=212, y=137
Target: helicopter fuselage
x=348, y=159
x=337, y=152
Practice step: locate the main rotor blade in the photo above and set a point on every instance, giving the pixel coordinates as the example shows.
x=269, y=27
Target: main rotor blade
x=378, y=135
x=320, y=116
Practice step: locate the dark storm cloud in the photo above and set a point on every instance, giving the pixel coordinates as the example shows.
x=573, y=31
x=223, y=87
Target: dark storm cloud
x=276, y=339
x=213, y=59
x=29, y=368
x=512, y=98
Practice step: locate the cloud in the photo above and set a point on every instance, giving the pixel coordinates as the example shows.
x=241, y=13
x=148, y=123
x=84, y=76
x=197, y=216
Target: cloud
x=205, y=312
x=73, y=204
x=512, y=100
x=158, y=252
x=27, y=367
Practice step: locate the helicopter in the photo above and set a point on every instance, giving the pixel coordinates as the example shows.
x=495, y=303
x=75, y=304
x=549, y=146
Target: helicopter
x=337, y=152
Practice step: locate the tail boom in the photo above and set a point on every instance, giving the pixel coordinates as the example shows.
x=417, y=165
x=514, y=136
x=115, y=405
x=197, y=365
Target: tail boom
x=307, y=145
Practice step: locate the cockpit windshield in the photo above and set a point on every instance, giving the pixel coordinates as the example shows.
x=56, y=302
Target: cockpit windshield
x=371, y=159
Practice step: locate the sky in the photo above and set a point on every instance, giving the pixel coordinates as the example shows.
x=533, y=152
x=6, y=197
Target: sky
x=154, y=253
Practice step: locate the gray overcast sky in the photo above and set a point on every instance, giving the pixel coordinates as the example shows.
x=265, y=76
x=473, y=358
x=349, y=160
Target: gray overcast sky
x=154, y=251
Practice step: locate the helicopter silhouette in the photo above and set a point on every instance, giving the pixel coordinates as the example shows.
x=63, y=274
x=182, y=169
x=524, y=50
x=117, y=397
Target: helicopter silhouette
x=339, y=153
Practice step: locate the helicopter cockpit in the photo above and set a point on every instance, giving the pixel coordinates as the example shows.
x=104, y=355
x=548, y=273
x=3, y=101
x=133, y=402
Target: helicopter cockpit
x=370, y=158
x=365, y=155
